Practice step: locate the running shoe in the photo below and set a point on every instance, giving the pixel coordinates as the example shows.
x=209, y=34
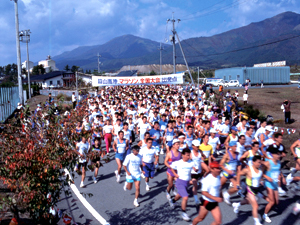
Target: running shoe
x=162, y=152
x=266, y=218
x=289, y=179
x=125, y=189
x=118, y=178
x=235, y=206
x=116, y=172
x=135, y=203
x=95, y=179
x=185, y=216
x=281, y=192
x=82, y=185
x=168, y=195
x=257, y=223
x=142, y=176
x=147, y=188
x=226, y=197
x=172, y=205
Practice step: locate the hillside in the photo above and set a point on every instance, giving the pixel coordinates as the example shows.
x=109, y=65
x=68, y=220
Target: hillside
x=207, y=52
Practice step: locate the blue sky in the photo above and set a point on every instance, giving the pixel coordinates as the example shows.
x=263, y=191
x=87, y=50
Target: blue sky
x=62, y=25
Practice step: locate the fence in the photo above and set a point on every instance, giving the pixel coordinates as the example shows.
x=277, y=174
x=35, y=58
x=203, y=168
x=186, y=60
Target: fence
x=9, y=98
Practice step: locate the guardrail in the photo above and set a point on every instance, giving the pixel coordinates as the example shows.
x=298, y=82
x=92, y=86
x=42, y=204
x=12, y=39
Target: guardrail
x=9, y=98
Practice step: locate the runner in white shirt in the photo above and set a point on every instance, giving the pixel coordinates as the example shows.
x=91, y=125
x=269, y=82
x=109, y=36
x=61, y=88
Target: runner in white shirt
x=82, y=149
x=182, y=171
x=144, y=127
x=211, y=189
x=133, y=167
x=150, y=160
x=214, y=141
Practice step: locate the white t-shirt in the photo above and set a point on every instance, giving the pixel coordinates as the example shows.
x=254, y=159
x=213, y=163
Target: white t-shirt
x=214, y=142
x=212, y=185
x=83, y=149
x=133, y=164
x=209, y=114
x=240, y=149
x=245, y=97
x=107, y=129
x=184, y=169
x=149, y=154
x=225, y=129
x=144, y=127
x=260, y=131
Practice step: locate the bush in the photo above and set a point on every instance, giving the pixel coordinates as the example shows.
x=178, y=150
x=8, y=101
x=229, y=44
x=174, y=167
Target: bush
x=63, y=97
x=253, y=113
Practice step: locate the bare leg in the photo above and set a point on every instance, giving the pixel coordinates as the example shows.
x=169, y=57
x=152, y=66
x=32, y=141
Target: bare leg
x=201, y=216
x=216, y=213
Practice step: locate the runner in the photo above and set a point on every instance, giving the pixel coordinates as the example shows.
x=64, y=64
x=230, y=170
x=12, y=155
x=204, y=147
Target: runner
x=182, y=171
x=127, y=136
x=211, y=196
x=231, y=166
x=207, y=150
x=133, y=167
x=253, y=175
x=96, y=149
x=273, y=175
x=82, y=149
x=107, y=133
x=172, y=156
x=120, y=147
x=197, y=156
x=150, y=159
x=169, y=136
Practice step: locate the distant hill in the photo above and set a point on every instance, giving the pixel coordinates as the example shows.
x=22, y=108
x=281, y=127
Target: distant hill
x=200, y=51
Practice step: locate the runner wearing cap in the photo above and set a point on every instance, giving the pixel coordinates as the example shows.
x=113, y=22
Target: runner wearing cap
x=197, y=156
x=211, y=192
x=253, y=175
x=231, y=166
x=150, y=159
x=172, y=156
x=207, y=150
x=133, y=167
x=214, y=141
x=231, y=137
x=182, y=170
x=272, y=176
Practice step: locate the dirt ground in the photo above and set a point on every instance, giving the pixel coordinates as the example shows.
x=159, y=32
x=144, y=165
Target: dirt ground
x=268, y=101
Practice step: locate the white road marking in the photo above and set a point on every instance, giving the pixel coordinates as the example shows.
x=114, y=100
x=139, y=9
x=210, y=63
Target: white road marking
x=86, y=204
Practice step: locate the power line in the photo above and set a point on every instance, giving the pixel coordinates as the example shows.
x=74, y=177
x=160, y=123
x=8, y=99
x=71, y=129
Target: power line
x=241, y=49
x=235, y=3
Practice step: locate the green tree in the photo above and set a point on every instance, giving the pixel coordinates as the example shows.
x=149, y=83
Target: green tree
x=8, y=69
x=67, y=68
x=38, y=70
x=74, y=68
x=152, y=73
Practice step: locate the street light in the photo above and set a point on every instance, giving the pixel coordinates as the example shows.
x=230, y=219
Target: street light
x=199, y=70
x=18, y=53
x=25, y=38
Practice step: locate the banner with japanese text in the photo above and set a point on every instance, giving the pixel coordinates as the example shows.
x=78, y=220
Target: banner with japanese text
x=142, y=80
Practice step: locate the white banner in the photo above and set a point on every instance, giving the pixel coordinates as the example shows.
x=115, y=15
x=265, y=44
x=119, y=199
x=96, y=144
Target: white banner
x=271, y=64
x=143, y=80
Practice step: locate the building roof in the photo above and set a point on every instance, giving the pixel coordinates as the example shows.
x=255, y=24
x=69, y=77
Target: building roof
x=46, y=76
x=127, y=73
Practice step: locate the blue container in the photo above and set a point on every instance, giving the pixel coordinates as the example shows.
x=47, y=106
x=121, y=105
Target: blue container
x=269, y=75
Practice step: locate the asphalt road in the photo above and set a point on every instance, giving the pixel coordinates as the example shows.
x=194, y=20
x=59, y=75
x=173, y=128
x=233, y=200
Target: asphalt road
x=116, y=206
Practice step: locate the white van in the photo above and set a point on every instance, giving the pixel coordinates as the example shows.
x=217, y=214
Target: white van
x=215, y=82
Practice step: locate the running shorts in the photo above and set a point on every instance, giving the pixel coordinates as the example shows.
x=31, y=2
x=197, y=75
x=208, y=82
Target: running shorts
x=209, y=205
x=149, y=169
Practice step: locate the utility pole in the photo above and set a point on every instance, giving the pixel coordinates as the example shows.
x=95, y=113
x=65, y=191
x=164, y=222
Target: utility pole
x=98, y=56
x=18, y=54
x=26, y=34
x=173, y=40
x=76, y=74
x=198, y=88
x=160, y=49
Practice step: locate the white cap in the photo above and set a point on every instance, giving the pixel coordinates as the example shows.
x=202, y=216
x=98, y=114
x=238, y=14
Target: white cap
x=196, y=143
x=269, y=128
x=212, y=130
x=175, y=141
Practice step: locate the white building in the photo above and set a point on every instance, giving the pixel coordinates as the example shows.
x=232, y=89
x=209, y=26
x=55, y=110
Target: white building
x=48, y=64
x=24, y=65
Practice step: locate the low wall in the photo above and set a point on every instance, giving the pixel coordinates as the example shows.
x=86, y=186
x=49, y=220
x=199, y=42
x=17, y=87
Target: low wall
x=65, y=92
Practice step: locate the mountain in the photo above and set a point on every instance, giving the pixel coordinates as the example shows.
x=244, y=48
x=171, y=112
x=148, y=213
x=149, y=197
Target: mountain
x=207, y=52
x=120, y=48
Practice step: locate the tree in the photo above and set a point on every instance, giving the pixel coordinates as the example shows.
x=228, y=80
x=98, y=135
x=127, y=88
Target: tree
x=32, y=162
x=152, y=73
x=67, y=68
x=74, y=68
x=38, y=70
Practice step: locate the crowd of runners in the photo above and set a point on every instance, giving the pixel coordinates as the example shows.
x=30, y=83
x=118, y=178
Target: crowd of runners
x=205, y=139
